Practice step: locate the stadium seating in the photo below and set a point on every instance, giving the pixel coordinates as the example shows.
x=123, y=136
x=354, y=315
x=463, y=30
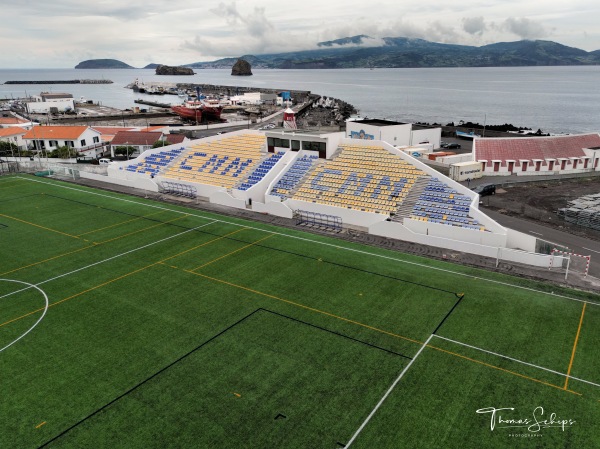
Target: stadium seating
x=301, y=166
x=265, y=165
x=361, y=177
x=154, y=163
x=225, y=162
x=439, y=203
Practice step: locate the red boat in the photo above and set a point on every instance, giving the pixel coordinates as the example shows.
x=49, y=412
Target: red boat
x=198, y=111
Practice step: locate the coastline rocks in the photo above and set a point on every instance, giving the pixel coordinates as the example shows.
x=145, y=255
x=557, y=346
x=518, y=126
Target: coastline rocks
x=241, y=68
x=169, y=70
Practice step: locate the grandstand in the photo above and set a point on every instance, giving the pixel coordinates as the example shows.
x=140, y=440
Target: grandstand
x=366, y=185
x=362, y=177
x=154, y=163
x=225, y=162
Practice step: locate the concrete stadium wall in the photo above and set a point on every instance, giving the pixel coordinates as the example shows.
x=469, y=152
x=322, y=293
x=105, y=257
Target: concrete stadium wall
x=397, y=231
x=140, y=183
x=520, y=240
x=349, y=216
x=455, y=233
x=275, y=208
x=225, y=199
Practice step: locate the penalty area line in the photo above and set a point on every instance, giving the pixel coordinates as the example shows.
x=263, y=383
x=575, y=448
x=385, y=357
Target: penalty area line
x=387, y=393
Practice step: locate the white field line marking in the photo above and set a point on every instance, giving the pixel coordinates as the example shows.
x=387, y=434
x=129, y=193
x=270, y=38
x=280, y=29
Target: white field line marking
x=38, y=320
x=517, y=360
x=507, y=284
x=106, y=260
x=387, y=393
x=592, y=250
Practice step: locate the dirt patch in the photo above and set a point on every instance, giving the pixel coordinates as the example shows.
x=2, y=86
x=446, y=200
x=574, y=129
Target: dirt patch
x=539, y=201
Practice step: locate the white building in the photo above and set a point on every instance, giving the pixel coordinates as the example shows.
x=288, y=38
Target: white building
x=395, y=133
x=87, y=141
x=14, y=135
x=48, y=102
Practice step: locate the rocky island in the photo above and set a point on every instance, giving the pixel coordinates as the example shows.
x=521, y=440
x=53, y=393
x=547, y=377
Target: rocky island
x=241, y=68
x=170, y=70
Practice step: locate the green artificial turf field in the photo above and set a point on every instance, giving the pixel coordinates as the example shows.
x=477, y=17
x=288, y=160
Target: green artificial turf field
x=130, y=323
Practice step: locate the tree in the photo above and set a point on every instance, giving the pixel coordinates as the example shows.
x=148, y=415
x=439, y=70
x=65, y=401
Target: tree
x=8, y=148
x=124, y=150
x=160, y=143
x=64, y=152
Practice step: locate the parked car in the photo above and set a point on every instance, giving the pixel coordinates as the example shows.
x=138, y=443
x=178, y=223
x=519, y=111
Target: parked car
x=485, y=189
x=443, y=144
x=453, y=146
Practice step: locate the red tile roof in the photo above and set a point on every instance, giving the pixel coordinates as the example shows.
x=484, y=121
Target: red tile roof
x=6, y=132
x=12, y=121
x=55, y=132
x=135, y=138
x=529, y=148
x=175, y=138
x=108, y=133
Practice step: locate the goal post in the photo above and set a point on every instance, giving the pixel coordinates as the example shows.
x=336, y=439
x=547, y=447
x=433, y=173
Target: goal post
x=569, y=261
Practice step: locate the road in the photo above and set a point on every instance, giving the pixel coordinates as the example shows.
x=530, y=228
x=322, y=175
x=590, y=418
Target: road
x=578, y=245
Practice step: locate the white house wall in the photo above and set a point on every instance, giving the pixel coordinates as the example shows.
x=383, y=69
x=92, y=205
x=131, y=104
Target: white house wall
x=431, y=135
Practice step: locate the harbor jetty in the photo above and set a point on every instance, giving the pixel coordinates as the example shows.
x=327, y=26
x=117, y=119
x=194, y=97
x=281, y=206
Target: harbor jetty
x=61, y=82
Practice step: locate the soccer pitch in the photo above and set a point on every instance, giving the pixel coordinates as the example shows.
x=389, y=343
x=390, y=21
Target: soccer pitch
x=129, y=323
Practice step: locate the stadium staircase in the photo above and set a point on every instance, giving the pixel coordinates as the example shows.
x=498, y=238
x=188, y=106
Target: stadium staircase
x=405, y=209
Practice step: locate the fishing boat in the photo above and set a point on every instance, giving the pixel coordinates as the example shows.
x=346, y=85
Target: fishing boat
x=198, y=111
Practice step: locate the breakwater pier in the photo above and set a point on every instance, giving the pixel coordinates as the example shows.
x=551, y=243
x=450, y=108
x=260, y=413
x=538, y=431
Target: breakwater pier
x=62, y=82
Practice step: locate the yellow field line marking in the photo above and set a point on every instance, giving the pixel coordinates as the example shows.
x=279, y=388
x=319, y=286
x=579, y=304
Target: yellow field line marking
x=39, y=226
x=78, y=294
x=301, y=306
x=77, y=250
x=372, y=328
x=140, y=230
x=200, y=246
x=116, y=279
x=232, y=252
x=40, y=425
x=45, y=260
x=122, y=223
x=501, y=369
x=575, y=346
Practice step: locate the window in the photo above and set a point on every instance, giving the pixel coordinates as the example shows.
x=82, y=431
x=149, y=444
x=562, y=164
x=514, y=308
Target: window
x=82, y=142
x=295, y=145
x=69, y=143
x=314, y=146
x=275, y=142
x=96, y=139
x=53, y=143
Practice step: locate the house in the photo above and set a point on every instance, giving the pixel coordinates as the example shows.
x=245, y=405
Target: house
x=14, y=135
x=87, y=141
x=10, y=122
x=139, y=140
x=538, y=155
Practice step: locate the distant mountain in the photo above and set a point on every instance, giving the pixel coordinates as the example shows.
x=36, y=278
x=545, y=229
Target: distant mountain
x=407, y=52
x=103, y=64
x=152, y=66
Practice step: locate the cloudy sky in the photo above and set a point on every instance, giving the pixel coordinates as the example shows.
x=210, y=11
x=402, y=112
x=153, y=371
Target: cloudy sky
x=61, y=33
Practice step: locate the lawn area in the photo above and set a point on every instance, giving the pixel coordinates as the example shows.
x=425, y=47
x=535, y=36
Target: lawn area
x=126, y=322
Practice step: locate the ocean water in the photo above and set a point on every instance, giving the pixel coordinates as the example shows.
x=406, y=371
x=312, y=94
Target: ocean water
x=554, y=99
